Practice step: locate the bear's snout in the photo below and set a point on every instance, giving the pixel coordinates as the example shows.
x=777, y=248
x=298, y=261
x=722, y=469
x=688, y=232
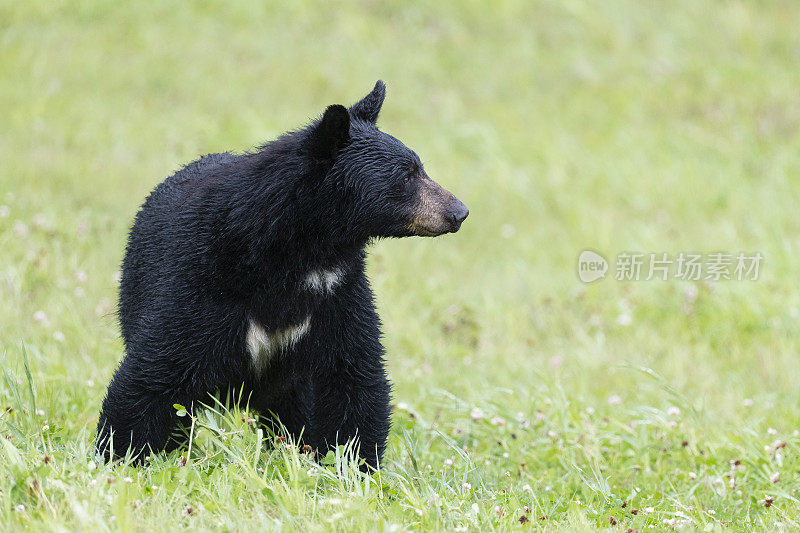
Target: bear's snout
x=437, y=211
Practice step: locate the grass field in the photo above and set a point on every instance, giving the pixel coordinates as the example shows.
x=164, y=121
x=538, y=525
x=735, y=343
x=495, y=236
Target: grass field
x=524, y=397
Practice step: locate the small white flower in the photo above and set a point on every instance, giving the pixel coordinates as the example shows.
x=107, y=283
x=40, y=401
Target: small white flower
x=448, y=462
x=40, y=317
x=498, y=421
x=45, y=427
x=83, y=228
x=477, y=413
x=748, y=402
x=59, y=336
x=590, y=410
x=20, y=228
x=624, y=319
x=402, y=406
x=690, y=292
x=40, y=412
x=673, y=411
x=436, y=500
x=527, y=488
x=712, y=512
x=614, y=400
x=466, y=486
x=39, y=220
x=672, y=424
x=692, y=475
x=128, y=480
x=103, y=307
x=20, y=508
x=649, y=510
x=772, y=431
x=775, y=477
x=80, y=276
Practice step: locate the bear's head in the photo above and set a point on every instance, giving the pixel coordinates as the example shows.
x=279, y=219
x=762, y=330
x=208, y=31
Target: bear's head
x=379, y=185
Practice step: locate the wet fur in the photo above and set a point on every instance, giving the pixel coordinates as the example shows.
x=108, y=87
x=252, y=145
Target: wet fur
x=232, y=239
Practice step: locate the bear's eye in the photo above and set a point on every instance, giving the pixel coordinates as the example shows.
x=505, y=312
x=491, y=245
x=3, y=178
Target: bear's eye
x=406, y=178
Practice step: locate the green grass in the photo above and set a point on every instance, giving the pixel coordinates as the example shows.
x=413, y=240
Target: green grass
x=617, y=126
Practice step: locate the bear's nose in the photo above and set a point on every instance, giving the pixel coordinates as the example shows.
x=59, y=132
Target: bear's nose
x=459, y=214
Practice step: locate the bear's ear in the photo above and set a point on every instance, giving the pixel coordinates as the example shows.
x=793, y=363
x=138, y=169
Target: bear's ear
x=369, y=106
x=331, y=133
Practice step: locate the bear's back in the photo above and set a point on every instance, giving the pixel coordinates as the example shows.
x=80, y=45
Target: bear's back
x=176, y=189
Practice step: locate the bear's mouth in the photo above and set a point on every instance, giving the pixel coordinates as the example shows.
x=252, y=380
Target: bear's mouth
x=419, y=230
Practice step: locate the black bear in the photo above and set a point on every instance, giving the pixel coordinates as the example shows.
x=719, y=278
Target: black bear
x=246, y=272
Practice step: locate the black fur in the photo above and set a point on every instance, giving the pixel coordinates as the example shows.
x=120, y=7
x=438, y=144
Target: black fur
x=229, y=240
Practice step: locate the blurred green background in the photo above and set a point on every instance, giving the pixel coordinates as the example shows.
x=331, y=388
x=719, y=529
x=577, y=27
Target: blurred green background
x=616, y=126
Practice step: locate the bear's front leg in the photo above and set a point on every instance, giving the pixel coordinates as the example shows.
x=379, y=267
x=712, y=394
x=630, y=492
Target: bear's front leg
x=352, y=403
x=137, y=414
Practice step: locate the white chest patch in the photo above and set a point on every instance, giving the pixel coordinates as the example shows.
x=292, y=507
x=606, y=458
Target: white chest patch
x=324, y=280
x=263, y=345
